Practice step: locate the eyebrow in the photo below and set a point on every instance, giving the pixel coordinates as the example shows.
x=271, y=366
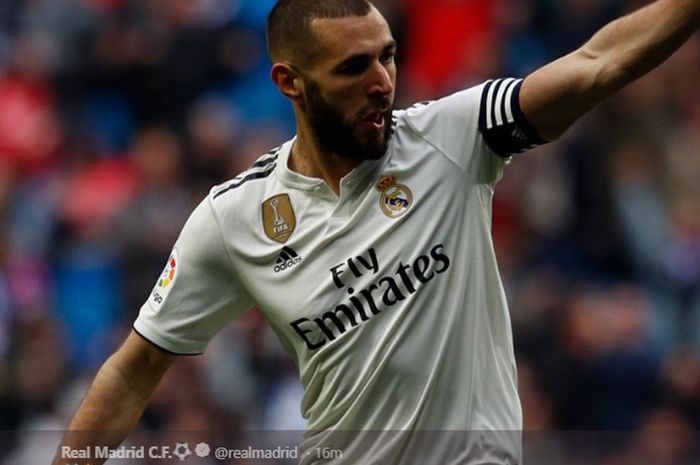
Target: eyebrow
x=391, y=45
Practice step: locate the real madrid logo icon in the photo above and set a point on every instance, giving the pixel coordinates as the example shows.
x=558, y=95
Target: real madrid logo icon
x=396, y=199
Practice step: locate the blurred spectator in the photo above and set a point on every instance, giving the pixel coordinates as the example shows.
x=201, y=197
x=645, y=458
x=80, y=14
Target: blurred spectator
x=680, y=383
x=606, y=336
x=577, y=20
x=665, y=438
x=146, y=227
x=214, y=136
x=30, y=135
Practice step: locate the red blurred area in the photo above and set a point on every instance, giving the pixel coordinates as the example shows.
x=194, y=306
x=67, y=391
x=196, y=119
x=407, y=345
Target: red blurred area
x=30, y=134
x=446, y=40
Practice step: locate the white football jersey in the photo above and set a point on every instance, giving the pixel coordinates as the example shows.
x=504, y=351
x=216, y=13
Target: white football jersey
x=388, y=296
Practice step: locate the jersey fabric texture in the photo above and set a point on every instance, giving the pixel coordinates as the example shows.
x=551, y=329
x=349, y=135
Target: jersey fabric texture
x=388, y=295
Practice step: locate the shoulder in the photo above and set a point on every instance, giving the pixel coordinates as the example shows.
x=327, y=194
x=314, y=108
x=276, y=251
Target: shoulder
x=471, y=96
x=261, y=169
x=460, y=107
x=491, y=110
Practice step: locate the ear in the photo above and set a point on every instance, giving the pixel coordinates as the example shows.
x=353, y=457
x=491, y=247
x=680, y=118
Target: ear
x=287, y=80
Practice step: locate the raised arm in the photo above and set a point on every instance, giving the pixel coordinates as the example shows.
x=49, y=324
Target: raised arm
x=117, y=397
x=555, y=96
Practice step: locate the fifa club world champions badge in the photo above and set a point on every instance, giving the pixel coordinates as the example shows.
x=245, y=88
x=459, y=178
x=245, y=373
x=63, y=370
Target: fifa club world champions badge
x=278, y=216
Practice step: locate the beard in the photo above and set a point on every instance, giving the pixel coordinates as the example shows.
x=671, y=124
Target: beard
x=337, y=134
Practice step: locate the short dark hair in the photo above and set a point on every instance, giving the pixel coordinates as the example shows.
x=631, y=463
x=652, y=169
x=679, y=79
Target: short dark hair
x=289, y=34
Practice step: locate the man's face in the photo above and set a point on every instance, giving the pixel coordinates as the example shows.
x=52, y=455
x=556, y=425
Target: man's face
x=349, y=90
x=348, y=135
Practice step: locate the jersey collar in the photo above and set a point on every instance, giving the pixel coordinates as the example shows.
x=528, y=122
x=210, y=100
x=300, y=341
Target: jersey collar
x=357, y=176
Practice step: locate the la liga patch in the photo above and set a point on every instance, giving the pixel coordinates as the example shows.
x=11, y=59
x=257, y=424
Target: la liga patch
x=165, y=282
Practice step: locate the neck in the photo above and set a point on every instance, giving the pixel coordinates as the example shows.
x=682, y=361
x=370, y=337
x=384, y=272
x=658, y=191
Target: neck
x=310, y=159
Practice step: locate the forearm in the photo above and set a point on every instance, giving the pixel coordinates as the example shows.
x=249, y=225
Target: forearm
x=112, y=404
x=116, y=400
x=635, y=44
x=558, y=94
x=108, y=413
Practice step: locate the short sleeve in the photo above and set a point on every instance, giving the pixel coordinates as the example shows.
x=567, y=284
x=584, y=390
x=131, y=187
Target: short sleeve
x=451, y=125
x=198, y=292
x=476, y=127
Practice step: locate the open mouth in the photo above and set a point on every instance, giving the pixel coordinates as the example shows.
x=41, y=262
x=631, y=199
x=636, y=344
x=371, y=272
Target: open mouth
x=375, y=120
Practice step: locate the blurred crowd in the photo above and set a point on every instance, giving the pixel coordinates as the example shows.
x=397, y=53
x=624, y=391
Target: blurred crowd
x=117, y=116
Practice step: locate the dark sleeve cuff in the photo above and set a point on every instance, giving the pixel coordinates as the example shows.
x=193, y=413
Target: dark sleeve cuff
x=501, y=120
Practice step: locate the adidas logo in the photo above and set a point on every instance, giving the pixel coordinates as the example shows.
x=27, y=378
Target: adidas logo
x=287, y=259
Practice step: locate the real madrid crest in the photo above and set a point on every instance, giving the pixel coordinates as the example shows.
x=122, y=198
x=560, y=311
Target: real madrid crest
x=278, y=218
x=396, y=199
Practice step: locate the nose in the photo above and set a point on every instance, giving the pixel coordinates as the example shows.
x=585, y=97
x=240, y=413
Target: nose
x=382, y=82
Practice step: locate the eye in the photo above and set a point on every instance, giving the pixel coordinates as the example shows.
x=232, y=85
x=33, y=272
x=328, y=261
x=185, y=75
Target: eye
x=354, y=67
x=387, y=57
